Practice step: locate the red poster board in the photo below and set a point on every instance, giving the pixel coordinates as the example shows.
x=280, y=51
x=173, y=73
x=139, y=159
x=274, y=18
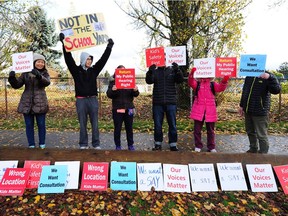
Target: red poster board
x=125, y=78
x=282, y=174
x=94, y=176
x=35, y=173
x=14, y=181
x=226, y=66
x=155, y=56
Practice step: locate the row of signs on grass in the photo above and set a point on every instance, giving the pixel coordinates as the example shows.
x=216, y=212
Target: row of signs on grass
x=132, y=176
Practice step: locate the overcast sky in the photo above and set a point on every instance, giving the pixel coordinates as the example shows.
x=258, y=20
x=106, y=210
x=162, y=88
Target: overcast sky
x=266, y=33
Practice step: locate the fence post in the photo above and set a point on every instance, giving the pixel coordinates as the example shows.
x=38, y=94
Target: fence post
x=279, y=105
x=6, y=98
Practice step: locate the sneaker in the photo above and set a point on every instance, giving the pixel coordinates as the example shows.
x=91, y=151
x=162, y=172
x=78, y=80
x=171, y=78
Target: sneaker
x=131, y=148
x=174, y=148
x=252, y=151
x=213, y=150
x=42, y=146
x=32, y=146
x=83, y=147
x=118, y=148
x=197, y=149
x=157, y=148
x=97, y=148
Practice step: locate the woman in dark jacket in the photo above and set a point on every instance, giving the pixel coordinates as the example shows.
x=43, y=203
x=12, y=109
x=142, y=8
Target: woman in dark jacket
x=33, y=102
x=123, y=109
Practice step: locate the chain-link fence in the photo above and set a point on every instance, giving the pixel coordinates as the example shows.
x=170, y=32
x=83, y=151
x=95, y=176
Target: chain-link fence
x=61, y=96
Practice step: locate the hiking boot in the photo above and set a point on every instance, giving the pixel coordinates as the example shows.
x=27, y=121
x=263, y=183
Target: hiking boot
x=157, y=148
x=118, y=148
x=131, y=148
x=174, y=148
x=252, y=151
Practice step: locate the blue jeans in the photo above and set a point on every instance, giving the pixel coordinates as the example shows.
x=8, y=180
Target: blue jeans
x=88, y=107
x=29, y=122
x=158, y=117
x=118, y=119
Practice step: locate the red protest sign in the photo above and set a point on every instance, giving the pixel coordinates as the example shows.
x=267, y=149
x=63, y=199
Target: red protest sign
x=282, y=175
x=155, y=56
x=14, y=181
x=94, y=176
x=125, y=78
x=35, y=173
x=226, y=66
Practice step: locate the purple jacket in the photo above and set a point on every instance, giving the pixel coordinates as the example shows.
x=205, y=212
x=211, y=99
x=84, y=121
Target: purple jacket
x=204, y=106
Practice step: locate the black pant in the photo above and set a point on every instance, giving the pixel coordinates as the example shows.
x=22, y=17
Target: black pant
x=118, y=119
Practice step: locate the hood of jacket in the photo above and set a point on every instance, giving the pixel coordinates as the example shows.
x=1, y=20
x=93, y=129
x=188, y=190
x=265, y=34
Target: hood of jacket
x=83, y=58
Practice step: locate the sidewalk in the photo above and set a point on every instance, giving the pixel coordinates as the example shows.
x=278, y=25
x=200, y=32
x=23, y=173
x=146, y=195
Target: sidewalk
x=143, y=142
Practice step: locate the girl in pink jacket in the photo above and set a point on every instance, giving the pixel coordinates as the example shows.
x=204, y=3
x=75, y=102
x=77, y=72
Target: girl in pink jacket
x=204, y=108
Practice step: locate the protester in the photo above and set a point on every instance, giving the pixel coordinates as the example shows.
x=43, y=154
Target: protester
x=255, y=106
x=123, y=110
x=85, y=76
x=204, y=108
x=33, y=103
x=164, y=102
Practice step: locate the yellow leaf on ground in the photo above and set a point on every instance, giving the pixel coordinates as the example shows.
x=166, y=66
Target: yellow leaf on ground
x=275, y=210
x=51, y=205
x=175, y=212
x=37, y=198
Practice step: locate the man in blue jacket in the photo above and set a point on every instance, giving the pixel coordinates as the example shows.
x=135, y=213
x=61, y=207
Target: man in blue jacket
x=85, y=76
x=255, y=106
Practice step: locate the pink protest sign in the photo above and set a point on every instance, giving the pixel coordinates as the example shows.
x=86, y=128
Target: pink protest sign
x=35, y=173
x=155, y=56
x=94, y=176
x=226, y=67
x=14, y=181
x=282, y=174
x=125, y=78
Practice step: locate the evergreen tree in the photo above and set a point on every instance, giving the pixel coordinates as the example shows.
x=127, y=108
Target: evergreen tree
x=39, y=36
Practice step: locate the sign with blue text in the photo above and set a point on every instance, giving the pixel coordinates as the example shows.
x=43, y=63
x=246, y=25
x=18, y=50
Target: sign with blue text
x=7, y=164
x=202, y=177
x=150, y=175
x=252, y=65
x=231, y=176
x=123, y=176
x=53, y=179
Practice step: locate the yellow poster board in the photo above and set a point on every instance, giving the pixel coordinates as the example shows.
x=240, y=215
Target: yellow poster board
x=83, y=31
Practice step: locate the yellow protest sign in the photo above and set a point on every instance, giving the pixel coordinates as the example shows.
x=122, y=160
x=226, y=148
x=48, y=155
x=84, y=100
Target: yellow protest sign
x=83, y=31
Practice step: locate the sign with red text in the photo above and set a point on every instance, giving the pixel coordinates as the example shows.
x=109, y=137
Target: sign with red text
x=35, y=172
x=175, y=54
x=261, y=178
x=22, y=62
x=282, y=174
x=205, y=68
x=155, y=56
x=176, y=178
x=231, y=176
x=125, y=78
x=73, y=169
x=14, y=181
x=83, y=31
x=202, y=177
x=94, y=176
x=7, y=164
x=150, y=175
x=226, y=66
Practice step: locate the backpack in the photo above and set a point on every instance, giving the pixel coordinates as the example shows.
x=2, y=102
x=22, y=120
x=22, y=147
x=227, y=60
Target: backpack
x=195, y=92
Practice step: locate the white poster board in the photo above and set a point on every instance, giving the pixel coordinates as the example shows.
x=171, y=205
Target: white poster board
x=22, y=62
x=261, y=178
x=176, y=178
x=150, y=175
x=202, y=177
x=205, y=67
x=73, y=168
x=175, y=54
x=231, y=177
x=7, y=164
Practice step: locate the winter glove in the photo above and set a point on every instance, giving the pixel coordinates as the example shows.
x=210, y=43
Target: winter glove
x=12, y=74
x=152, y=68
x=175, y=67
x=225, y=79
x=36, y=73
x=61, y=37
x=110, y=43
x=192, y=72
